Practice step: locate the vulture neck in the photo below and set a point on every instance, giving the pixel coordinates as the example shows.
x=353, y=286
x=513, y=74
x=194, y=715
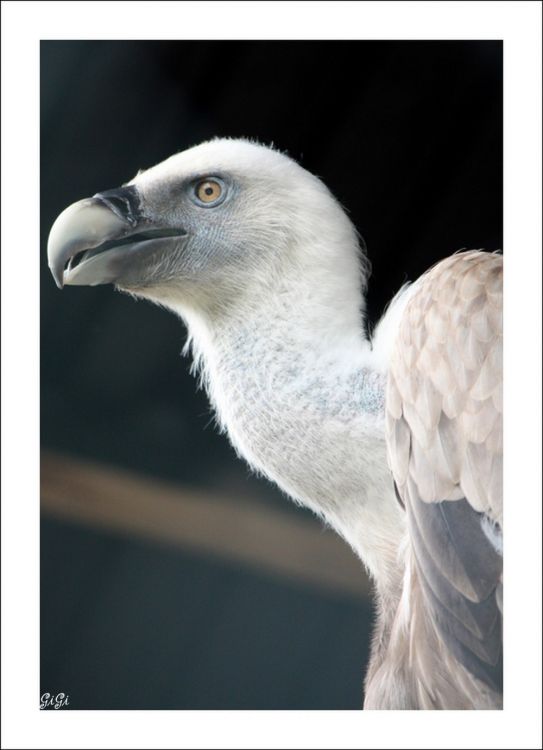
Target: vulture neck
x=296, y=386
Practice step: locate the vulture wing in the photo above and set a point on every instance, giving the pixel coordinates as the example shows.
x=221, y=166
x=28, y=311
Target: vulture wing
x=444, y=439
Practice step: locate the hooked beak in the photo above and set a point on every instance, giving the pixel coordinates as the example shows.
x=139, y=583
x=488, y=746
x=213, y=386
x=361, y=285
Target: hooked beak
x=98, y=240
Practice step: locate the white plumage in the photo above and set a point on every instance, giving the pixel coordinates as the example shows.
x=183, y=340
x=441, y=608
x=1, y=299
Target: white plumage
x=269, y=278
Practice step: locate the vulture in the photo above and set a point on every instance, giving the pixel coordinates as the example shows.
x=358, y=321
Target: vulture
x=395, y=440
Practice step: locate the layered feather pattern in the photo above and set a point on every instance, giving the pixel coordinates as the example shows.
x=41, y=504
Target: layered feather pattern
x=444, y=441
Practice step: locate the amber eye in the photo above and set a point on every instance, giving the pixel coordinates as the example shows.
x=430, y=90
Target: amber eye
x=208, y=191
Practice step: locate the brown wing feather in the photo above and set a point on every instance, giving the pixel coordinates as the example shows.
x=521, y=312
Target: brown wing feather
x=444, y=436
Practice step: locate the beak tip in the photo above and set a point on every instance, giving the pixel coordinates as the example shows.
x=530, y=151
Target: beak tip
x=58, y=276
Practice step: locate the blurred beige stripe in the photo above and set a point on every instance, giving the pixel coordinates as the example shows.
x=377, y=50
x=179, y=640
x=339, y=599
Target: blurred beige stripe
x=238, y=530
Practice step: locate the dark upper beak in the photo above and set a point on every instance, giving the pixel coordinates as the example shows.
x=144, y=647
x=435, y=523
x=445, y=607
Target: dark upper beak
x=103, y=239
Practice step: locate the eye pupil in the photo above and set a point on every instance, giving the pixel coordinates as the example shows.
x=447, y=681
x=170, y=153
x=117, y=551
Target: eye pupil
x=209, y=191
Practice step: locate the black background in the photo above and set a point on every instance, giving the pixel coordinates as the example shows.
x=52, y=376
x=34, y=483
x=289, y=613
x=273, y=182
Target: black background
x=408, y=135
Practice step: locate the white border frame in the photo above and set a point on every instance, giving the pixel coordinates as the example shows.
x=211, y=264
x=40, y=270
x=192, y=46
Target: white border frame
x=23, y=25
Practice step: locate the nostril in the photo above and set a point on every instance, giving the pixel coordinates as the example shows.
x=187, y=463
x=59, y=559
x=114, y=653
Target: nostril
x=121, y=204
x=124, y=202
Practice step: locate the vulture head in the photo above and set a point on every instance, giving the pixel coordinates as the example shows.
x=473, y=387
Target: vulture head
x=205, y=228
